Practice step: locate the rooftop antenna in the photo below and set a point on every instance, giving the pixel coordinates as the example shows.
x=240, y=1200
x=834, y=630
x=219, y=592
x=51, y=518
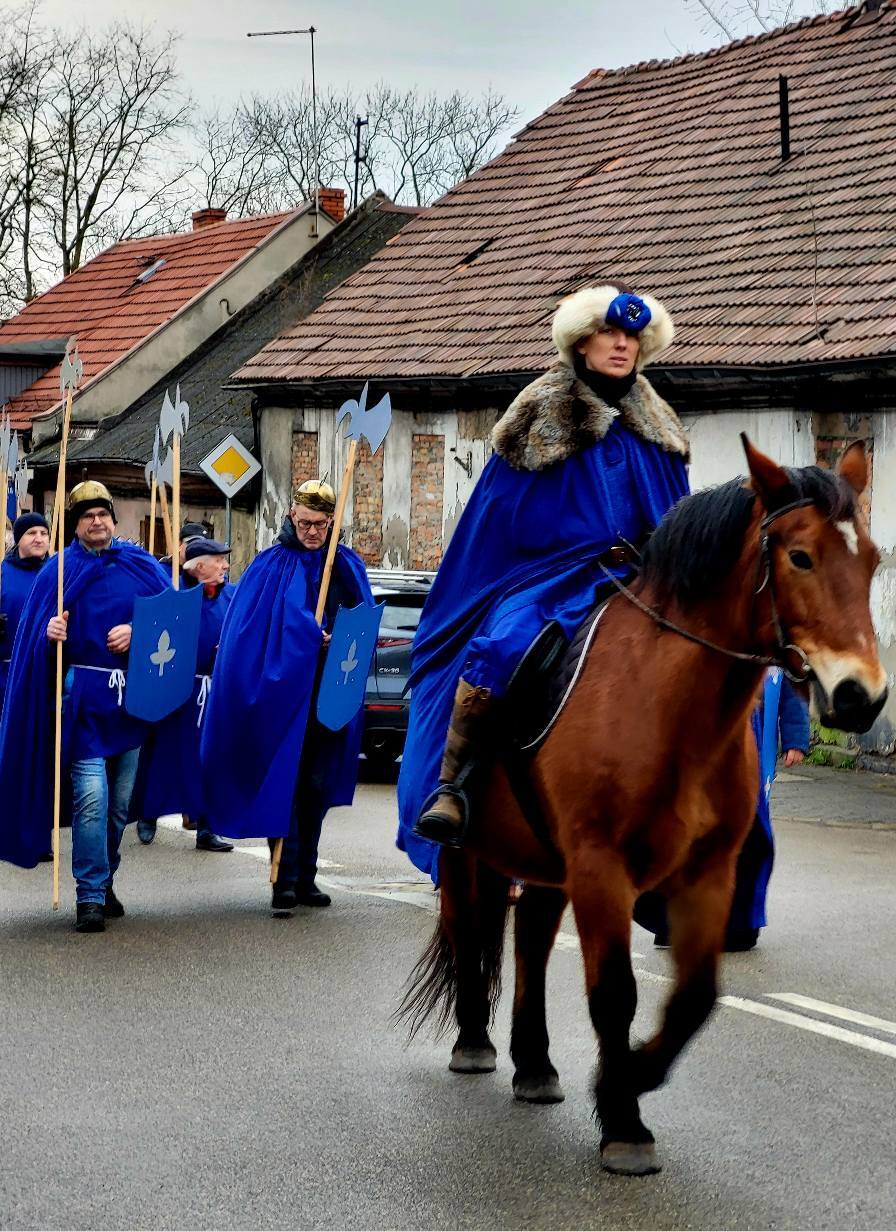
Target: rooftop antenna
x=311, y=30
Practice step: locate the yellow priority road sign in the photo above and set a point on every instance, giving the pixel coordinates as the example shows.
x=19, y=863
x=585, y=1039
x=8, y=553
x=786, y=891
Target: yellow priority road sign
x=230, y=466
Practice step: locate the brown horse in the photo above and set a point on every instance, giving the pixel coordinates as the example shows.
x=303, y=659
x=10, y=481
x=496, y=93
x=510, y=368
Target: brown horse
x=648, y=780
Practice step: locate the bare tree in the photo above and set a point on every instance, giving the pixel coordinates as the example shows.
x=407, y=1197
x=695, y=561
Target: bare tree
x=262, y=154
x=737, y=18
x=108, y=120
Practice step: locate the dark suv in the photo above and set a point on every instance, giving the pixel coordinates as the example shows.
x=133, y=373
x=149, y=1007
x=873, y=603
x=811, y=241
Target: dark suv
x=387, y=700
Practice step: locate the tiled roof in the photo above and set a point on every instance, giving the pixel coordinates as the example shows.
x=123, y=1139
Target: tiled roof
x=111, y=310
x=668, y=175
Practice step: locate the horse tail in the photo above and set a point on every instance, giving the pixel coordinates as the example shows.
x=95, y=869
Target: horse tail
x=468, y=941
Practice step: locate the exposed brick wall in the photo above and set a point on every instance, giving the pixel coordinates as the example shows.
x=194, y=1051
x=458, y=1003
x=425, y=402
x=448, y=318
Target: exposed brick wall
x=833, y=432
x=367, y=500
x=427, y=483
x=305, y=457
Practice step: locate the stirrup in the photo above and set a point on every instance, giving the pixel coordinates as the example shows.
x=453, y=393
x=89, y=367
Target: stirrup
x=435, y=827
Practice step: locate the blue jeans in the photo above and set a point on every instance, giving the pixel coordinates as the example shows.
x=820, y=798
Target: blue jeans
x=101, y=797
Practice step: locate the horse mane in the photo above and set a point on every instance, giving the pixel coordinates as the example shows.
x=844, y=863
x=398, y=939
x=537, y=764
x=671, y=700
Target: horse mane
x=699, y=541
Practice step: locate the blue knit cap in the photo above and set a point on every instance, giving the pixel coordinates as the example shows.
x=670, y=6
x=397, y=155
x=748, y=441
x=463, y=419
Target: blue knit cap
x=27, y=522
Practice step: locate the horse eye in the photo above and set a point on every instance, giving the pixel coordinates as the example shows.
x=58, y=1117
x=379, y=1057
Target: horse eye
x=801, y=559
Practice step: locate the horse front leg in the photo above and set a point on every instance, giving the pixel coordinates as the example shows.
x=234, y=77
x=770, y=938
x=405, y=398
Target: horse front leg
x=473, y=916
x=698, y=914
x=538, y=914
x=603, y=899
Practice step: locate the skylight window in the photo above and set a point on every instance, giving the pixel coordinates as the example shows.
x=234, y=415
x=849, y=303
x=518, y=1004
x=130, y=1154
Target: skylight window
x=153, y=269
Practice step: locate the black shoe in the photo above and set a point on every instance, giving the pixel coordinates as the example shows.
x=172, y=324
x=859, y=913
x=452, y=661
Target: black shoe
x=211, y=842
x=112, y=909
x=312, y=896
x=89, y=917
x=146, y=831
x=741, y=942
x=283, y=902
x=47, y=858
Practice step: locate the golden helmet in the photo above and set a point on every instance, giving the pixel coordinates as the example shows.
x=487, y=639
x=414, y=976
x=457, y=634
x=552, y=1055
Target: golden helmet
x=315, y=494
x=90, y=495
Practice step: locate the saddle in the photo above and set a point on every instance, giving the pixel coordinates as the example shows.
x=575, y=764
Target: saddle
x=537, y=693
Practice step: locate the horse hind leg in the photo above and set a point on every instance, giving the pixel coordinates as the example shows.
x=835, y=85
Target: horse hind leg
x=603, y=898
x=459, y=973
x=698, y=915
x=538, y=915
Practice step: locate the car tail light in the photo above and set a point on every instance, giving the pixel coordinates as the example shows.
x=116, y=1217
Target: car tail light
x=387, y=643
x=385, y=709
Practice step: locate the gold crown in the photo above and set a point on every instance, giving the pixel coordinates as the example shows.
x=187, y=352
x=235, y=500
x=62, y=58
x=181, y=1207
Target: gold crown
x=90, y=490
x=315, y=494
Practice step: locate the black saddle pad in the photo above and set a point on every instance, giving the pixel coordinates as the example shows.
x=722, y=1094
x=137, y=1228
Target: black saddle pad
x=545, y=679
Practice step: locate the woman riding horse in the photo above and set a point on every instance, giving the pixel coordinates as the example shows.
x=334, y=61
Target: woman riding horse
x=587, y=460
x=647, y=779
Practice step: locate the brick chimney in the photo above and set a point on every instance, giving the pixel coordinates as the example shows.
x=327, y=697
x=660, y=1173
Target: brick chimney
x=332, y=202
x=208, y=218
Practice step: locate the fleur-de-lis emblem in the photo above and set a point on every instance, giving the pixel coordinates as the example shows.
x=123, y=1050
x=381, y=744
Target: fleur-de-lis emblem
x=350, y=661
x=164, y=654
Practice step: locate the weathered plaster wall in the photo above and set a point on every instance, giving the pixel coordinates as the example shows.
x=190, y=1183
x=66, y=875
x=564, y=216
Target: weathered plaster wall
x=717, y=453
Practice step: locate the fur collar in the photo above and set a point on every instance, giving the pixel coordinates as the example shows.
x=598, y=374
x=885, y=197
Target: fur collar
x=557, y=415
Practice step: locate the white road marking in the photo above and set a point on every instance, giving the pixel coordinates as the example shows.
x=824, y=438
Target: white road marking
x=835, y=1010
x=772, y=1012
x=570, y=942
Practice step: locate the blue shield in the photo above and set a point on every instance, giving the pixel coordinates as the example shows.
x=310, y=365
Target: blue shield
x=349, y=656
x=162, y=659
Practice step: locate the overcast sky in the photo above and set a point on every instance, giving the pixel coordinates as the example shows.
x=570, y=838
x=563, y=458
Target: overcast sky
x=532, y=51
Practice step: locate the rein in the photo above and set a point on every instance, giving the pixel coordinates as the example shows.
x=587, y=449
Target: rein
x=782, y=646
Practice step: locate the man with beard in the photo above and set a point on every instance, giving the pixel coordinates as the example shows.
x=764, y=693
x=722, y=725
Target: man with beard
x=101, y=741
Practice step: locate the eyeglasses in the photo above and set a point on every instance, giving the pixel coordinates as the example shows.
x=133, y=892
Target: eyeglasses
x=317, y=526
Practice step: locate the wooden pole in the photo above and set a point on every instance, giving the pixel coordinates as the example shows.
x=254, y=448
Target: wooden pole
x=151, y=538
x=175, y=514
x=324, y=589
x=4, y=483
x=166, y=520
x=59, y=522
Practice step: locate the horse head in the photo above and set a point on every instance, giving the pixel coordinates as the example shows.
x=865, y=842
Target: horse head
x=820, y=560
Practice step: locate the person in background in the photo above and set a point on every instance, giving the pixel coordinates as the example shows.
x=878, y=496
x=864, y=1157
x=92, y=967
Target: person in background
x=101, y=741
x=169, y=779
x=18, y=572
x=780, y=724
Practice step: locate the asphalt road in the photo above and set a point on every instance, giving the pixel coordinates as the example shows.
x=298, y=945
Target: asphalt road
x=203, y=1066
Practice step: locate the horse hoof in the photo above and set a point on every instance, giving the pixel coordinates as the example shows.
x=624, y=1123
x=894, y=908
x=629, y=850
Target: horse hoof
x=473, y=1060
x=630, y=1158
x=546, y=1089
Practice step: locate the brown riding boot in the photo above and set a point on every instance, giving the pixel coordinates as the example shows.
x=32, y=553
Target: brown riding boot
x=446, y=814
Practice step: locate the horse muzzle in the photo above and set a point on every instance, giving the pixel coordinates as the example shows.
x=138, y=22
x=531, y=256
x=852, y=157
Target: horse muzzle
x=850, y=707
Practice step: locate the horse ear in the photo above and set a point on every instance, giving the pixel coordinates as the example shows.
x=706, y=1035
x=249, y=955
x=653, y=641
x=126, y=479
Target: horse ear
x=853, y=467
x=769, y=480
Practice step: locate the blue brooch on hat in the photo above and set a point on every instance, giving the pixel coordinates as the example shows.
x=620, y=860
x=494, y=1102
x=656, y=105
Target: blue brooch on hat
x=628, y=312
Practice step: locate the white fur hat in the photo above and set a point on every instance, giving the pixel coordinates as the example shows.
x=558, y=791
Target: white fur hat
x=584, y=311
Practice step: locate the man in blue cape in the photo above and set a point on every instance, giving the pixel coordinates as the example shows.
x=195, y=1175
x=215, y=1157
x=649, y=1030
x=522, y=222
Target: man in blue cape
x=170, y=779
x=101, y=741
x=18, y=572
x=587, y=460
x=269, y=768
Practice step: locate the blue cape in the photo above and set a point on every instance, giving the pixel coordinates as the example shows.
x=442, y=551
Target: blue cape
x=26, y=728
x=169, y=779
x=523, y=553
x=265, y=678
x=18, y=578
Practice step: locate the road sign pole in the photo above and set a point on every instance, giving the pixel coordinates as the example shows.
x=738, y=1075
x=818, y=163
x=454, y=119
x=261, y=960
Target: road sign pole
x=228, y=522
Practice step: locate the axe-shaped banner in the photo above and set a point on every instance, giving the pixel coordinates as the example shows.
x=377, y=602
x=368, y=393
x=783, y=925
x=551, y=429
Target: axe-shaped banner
x=69, y=378
x=173, y=423
x=373, y=425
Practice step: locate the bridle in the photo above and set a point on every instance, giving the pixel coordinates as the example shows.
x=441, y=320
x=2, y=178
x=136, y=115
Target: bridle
x=765, y=579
